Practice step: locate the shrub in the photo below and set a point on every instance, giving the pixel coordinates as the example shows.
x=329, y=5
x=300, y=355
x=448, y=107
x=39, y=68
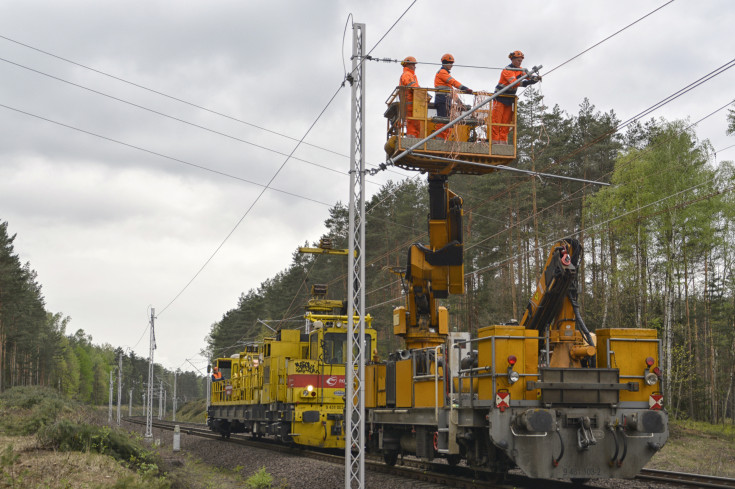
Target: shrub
x=66, y=435
x=25, y=410
x=259, y=480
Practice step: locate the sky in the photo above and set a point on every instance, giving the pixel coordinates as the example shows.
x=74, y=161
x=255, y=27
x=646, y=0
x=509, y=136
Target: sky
x=120, y=186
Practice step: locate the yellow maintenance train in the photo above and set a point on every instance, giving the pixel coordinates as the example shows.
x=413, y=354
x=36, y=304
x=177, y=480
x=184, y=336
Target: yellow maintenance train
x=544, y=394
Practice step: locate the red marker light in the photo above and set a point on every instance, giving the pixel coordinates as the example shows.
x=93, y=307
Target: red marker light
x=649, y=361
x=657, y=371
x=512, y=360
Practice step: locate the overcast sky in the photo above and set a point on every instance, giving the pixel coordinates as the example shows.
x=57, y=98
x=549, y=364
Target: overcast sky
x=113, y=229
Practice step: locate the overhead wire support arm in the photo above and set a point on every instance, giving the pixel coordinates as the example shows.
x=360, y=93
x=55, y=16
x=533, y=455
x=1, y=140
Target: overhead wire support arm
x=452, y=123
x=519, y=170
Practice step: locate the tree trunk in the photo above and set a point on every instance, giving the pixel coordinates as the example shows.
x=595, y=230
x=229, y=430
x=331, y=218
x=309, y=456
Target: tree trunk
x=690, y=354
x=511, y=265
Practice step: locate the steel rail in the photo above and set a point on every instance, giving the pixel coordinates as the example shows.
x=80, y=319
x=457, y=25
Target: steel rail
x=437, y=473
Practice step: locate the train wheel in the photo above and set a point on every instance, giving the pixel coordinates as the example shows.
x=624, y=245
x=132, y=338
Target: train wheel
x=579, y=482
x=390, y=457
x=454, y=459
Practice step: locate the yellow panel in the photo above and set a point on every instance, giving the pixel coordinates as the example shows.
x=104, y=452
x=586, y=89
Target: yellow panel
x=443, y=320
x=524, y=349
x=370, y=386
x=426, y=393
x=399, y=320
x=530, y=364
x=456, y=279
x=419, y=103
x=629, y=357
x=438, y=233
x=404, y=387
x=381, y=369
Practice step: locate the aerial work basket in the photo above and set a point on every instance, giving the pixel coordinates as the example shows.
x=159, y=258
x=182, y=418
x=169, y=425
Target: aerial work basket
x=412, y=116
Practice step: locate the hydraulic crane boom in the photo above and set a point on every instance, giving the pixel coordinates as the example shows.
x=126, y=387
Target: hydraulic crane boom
x=553, y=308
x=434, y=271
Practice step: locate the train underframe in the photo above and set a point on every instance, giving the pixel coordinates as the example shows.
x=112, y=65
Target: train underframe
x=287, y=423
x=559, y=442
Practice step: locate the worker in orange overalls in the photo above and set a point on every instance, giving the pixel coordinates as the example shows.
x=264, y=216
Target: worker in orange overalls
x=444, y=81
x=408, y=79
x=216, y=375
x=503, y=106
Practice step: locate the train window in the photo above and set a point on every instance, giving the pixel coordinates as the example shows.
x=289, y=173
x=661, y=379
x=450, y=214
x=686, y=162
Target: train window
x=224, y=367
x=334, y=348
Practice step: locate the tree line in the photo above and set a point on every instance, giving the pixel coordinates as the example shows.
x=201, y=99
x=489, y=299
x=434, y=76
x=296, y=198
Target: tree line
x=658, y=246
x=35, y=348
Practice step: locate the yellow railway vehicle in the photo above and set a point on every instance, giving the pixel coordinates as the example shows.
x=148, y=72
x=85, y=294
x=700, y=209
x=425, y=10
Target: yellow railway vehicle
x=546, y=395
x=290, y=386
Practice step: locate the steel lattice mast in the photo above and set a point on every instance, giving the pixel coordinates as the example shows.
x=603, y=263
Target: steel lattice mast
x=355, y=371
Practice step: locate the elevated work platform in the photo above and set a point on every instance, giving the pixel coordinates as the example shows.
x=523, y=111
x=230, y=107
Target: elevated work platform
x=468, y=142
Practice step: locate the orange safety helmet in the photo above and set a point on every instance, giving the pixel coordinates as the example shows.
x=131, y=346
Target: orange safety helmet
x=447, y=58
x=516, y=54
x=409, y=60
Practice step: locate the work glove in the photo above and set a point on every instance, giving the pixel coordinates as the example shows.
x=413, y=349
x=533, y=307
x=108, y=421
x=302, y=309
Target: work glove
x=466, y=89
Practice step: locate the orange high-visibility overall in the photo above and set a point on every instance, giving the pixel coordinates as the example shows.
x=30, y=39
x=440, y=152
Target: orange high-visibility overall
x=408, y=79
x=443, y=80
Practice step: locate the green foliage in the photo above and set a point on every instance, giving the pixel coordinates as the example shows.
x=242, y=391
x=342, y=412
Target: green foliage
x=259, y=480
x=194, y=411
x=11, y=477
x=25, y=410
x=67, y=435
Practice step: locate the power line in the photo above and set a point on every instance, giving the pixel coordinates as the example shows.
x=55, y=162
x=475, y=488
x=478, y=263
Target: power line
x=280, y=168
x=177, y=99
x=566, y=199
x=608, y=37
x=183, y=121
x=158, y=92
x=156, y=153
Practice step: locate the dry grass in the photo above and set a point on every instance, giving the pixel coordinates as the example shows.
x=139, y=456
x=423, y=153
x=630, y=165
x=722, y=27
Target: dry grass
x=59, y=470
x=699, y=448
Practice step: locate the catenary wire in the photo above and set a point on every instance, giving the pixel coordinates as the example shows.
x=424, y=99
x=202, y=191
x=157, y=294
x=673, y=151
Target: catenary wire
x=281, y=167
x=162, y=155
x=609, y=37
x=163, y=94
x=178, y=99
x=177, y=160
x=498, y=195
x=531, y=216
x=183, y=121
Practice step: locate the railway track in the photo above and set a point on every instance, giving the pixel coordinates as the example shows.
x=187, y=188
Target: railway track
x=439, y=473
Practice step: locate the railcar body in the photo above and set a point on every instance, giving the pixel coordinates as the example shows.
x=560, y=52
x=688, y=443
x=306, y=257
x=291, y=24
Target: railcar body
x=290, y=386
x=490, y=402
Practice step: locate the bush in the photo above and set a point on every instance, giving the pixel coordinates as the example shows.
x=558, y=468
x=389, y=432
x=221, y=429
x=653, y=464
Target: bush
x=259, y=480
x=65, y=435
x=25, y=410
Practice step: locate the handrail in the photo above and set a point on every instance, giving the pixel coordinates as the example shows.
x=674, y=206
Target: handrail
x=517, y=82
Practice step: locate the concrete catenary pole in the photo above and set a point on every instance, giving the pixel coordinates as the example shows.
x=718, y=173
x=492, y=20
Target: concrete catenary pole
x=119, y=387
x=149, y=395
x=109, y=412
x=160, y=400
x=176, y=372
x=130, y=403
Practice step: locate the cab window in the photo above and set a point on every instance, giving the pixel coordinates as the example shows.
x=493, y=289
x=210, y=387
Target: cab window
x=334, y=348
